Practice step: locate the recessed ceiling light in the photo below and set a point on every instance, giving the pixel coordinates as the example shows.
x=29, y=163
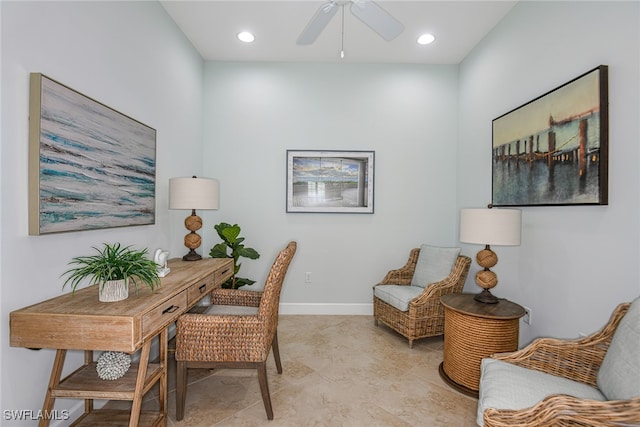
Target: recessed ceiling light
x=426, y=39
x=246, y=37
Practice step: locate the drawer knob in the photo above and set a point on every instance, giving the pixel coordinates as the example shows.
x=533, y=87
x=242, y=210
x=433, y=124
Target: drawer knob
x=203, y=288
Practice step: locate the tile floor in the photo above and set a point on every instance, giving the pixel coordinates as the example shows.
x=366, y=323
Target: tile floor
x=337, y=371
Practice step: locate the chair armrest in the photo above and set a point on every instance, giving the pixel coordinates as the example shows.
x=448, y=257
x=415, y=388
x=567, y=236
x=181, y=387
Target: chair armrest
x=242, y=297
x=402, y=276
x=560, y=409
x=578, y=359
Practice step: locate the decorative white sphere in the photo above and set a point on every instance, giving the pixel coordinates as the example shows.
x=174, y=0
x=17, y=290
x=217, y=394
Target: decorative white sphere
x=113, y=365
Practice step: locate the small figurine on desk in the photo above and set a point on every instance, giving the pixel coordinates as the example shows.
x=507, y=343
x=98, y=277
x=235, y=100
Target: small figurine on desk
x=160, y=258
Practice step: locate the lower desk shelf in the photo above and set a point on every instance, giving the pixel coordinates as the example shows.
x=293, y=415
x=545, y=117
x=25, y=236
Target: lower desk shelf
x=111, y=417
x=84, y=383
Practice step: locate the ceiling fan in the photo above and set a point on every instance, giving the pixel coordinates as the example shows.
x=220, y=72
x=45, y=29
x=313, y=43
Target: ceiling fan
x=378, y=19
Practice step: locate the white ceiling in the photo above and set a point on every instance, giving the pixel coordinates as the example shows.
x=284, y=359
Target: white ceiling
x=212, y=25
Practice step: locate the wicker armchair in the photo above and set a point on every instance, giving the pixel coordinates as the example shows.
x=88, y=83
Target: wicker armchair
x=578, y=360
x=425, y=315
x=234, y=341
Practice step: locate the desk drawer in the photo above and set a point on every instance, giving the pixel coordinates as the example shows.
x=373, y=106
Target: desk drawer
x=222, y=275
x=198, y=290
x=161, y=316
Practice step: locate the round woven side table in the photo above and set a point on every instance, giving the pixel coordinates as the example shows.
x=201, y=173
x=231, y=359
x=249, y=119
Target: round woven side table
x=473, y=331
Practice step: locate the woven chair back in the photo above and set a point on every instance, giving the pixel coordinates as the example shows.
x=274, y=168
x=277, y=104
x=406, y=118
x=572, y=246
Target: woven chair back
x=273, y=286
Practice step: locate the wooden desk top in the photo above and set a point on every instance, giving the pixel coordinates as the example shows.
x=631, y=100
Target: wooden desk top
x=79, y=321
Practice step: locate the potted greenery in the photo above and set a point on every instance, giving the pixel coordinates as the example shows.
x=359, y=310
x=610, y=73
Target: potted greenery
x=113, y=268
x=230, y=234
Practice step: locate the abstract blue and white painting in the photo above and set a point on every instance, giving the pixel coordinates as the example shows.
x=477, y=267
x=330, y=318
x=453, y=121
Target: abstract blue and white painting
x=95, y=166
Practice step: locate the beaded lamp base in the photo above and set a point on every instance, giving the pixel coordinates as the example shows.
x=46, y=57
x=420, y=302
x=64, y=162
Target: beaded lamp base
x=192, y=240
x=486, y=279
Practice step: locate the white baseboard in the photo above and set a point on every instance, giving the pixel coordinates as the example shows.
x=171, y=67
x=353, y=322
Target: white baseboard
x=365, y=309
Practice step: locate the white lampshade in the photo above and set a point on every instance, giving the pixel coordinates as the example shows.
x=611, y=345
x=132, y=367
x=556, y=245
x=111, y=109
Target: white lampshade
x=491, y=226
x=193, y=193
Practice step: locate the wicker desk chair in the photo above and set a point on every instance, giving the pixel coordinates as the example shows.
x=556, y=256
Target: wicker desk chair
x=578, y=360
x=425, y=317
x=234, y=341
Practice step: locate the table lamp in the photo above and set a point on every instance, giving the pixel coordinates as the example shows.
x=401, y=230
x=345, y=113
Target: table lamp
x=193, y=193
x=489, y=226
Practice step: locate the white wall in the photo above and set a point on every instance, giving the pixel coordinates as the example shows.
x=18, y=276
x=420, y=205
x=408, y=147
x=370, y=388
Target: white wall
x=131, y=57
x=254, y=112
x=575, y=263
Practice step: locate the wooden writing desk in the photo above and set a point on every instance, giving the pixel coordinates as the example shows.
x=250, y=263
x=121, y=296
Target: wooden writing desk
x=80, y=322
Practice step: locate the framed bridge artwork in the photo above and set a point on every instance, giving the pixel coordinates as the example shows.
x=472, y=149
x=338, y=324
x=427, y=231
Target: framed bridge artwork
x=330, y=181
x=553, y=150
x=90, y=167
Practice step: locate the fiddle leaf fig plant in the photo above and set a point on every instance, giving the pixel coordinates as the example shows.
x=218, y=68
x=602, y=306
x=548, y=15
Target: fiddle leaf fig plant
x=230, y=234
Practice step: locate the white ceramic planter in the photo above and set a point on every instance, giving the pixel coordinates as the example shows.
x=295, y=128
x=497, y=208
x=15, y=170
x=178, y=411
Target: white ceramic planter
x=113, y=290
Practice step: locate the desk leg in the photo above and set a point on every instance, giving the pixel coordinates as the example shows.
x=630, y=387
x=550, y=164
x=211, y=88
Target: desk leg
x=56, y=373
x=164, y=363
x=140, y=382
x=88, y=403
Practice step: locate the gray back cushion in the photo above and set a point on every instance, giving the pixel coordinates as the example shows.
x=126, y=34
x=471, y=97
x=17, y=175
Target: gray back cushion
x=434, y=264
x=619, y=374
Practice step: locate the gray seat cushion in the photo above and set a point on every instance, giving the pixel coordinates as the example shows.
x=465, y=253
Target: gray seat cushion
x=434, y=264
x=238, y=310
x=507, y=386
x=619, y=374
x=397, y=296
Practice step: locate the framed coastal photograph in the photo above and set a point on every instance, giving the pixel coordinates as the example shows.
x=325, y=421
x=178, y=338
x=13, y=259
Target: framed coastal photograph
x=553, y=150
x=90, y=167
x=330, y=181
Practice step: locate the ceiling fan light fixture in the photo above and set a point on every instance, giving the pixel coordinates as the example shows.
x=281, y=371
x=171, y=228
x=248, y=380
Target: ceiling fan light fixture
x=426, y=38
x=319, y=21
x=246, y=37
x=376, y=18
x=372, y=15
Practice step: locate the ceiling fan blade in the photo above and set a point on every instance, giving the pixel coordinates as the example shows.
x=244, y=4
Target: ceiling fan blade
x=318, y=23
x=377, y=19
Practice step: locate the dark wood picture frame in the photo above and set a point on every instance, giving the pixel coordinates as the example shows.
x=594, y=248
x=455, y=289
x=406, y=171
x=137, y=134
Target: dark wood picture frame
x=554, y=150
